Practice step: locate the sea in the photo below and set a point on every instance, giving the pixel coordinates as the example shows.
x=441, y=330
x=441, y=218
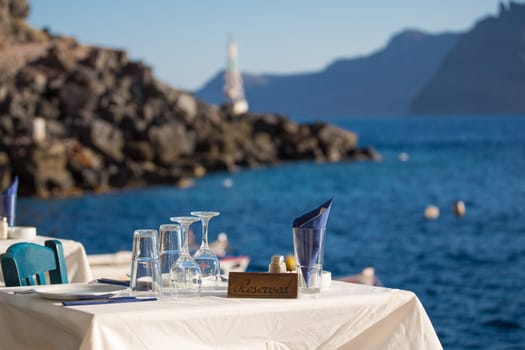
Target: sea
x=468, y=271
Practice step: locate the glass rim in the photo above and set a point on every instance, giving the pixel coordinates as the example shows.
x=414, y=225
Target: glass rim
x=205, y=213
x=170, y=226
x=144, y=232
x=184, y=218
x=309, y=228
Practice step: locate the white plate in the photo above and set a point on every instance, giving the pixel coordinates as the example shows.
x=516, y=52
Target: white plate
x=78, y=291
x=22, y=232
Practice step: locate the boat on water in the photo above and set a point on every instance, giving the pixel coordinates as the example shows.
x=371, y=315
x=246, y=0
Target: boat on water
x=229, y=263
x=232, y=263
x=366, y=276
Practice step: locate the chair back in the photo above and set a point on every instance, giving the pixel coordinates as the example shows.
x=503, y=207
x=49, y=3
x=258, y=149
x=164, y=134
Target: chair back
x=27, y=264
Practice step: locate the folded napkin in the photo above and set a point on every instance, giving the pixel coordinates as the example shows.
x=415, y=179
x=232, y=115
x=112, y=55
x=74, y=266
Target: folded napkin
x=316, y=218
x=8, y=202
x=113, y=300
x=113, y=281
x=308, y=242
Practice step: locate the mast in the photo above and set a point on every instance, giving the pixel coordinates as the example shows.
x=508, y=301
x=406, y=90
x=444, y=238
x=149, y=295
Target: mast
x=233, y=87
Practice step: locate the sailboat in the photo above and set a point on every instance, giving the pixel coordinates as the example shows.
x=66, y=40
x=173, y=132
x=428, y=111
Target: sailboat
x=233, y=86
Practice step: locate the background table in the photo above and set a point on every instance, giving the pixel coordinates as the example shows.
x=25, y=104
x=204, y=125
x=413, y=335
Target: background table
x=78, y=269
x=345, y=316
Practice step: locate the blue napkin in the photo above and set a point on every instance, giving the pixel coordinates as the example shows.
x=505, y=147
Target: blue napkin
x=113, y=281
x=308, y=242
x=113, y=300
x=8, y=202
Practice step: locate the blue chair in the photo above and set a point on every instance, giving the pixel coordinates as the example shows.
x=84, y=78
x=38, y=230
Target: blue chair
x=26, y=264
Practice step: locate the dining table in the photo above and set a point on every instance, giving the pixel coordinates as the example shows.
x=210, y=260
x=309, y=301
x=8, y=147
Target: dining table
x=342, y=316
x=78, y=268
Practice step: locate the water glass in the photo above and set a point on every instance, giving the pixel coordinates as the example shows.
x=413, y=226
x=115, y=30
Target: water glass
x=145, y=264
x=170, y=247
x=309, y=253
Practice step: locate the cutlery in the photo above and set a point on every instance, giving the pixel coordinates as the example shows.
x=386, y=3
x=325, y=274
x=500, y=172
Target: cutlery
x=24, y=291
x=114, y=300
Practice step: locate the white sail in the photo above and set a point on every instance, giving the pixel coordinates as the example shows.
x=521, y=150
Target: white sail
x=233, y=87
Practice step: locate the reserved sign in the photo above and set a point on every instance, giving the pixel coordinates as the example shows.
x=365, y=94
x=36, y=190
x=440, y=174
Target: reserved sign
x=262, y=285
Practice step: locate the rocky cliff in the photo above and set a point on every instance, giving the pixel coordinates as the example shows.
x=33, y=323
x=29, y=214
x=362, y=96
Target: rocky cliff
x=484, y=73
x=382, y=83
x=110, y=124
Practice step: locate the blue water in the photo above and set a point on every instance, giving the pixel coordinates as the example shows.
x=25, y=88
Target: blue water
x=469, y=272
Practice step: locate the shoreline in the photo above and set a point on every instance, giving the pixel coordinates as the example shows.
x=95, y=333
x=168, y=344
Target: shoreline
x=78, y=118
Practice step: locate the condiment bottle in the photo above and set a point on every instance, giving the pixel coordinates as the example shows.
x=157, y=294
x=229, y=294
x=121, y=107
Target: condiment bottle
x=3, y=227
x=277, y=264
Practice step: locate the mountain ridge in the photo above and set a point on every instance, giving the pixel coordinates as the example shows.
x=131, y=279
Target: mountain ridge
x=367, y=84
x=478, y=72
x=484, y=73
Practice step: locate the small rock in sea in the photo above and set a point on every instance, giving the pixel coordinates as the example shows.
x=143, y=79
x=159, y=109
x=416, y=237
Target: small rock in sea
x=184, y=183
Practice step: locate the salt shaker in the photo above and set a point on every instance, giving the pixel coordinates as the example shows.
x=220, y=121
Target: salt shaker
x=3, y=227
x=277, y=264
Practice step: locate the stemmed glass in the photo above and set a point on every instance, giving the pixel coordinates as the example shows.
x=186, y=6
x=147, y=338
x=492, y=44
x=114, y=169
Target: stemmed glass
x=204, y=256
x=185, y=274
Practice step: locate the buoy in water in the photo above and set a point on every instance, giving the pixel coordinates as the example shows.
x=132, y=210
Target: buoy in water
x=227, y=183
x=459, y=208
x=403, y=156
x=431, y=212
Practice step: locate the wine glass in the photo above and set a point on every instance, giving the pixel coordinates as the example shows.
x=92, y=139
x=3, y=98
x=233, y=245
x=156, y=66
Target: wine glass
x=185, y=274
x=204, y=256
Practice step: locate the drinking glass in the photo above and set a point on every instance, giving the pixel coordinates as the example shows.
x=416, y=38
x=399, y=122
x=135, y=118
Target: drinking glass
x=145, y=264
x=309, y=254
x=204, y=256
x=185, y=275
x=170, y=246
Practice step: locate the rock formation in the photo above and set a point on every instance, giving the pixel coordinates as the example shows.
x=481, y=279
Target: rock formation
x=110, y=124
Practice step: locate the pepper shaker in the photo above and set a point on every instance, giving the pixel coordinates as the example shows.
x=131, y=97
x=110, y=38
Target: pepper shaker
x=277, y=264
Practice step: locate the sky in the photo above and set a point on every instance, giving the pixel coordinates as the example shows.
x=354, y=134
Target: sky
x=185, y=41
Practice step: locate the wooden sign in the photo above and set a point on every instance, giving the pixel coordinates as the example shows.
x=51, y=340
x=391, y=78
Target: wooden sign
x=262, y=285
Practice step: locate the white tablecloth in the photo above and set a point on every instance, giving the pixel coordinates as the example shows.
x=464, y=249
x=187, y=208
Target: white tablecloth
x=345, y=316
x=78, y=269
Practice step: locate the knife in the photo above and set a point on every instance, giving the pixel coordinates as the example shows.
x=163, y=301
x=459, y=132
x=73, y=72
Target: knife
x=113, y=300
